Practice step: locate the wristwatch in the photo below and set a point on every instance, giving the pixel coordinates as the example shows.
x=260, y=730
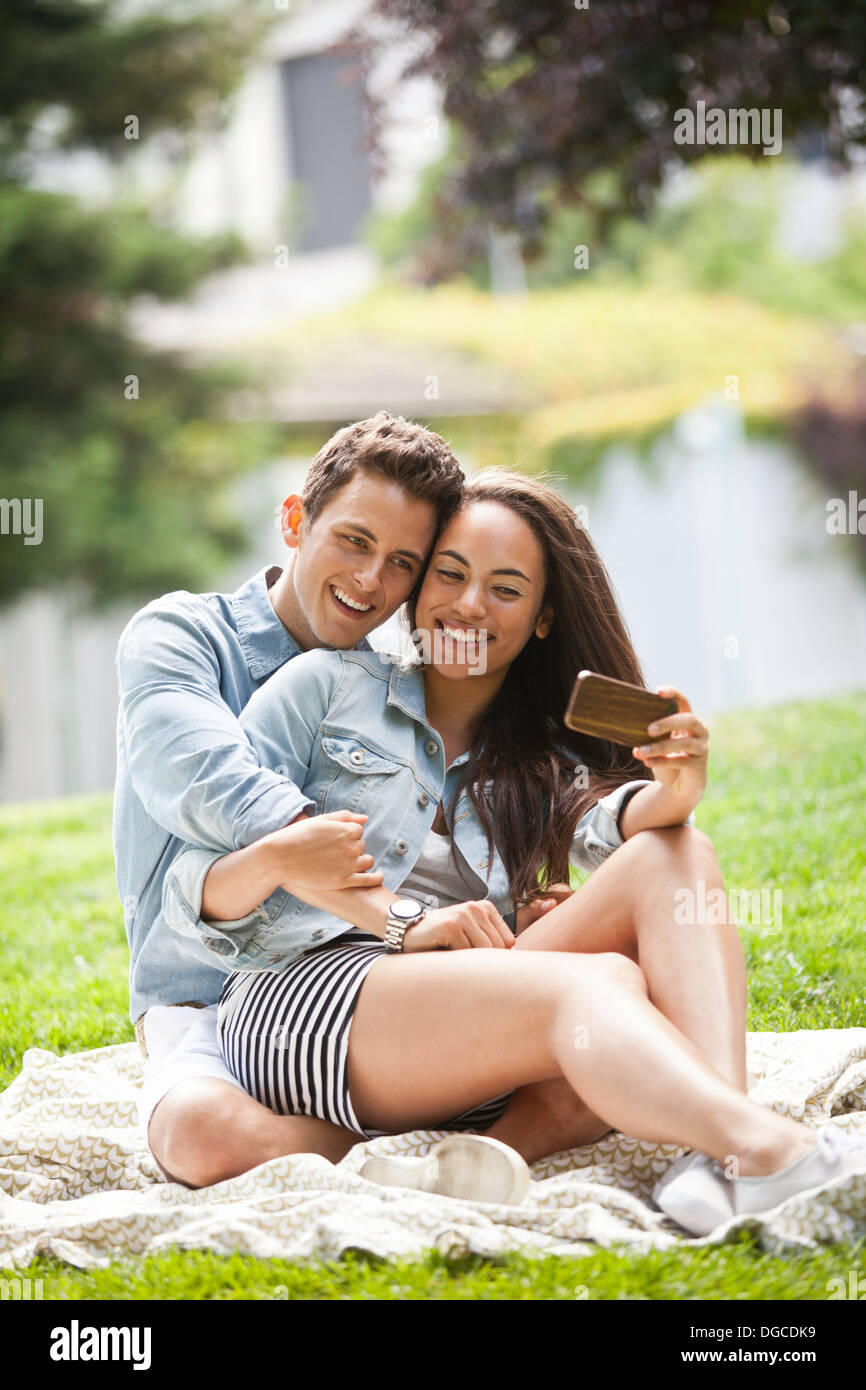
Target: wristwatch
x=402, y=914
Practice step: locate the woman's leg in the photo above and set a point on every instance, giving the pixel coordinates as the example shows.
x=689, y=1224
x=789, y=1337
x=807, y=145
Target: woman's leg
x=695, y=973
x=434, y=1034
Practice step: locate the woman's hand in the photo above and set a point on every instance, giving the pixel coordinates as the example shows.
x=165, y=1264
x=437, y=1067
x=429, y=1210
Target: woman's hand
x=539, y=907
x=459, y=927
x=679, y=763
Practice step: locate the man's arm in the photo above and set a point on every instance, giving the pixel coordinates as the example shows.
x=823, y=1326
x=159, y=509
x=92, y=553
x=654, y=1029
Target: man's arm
x=210, y=894
x=233, y=881
x=235, y=884
x=189, y=760
x=324, y=852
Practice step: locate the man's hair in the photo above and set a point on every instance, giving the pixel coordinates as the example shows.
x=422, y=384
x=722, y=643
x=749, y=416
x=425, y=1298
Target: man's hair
x=395, y=448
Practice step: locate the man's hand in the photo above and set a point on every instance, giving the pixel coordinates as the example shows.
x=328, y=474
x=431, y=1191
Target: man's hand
x=539, y=907
x=458, y=928
x=324, y=851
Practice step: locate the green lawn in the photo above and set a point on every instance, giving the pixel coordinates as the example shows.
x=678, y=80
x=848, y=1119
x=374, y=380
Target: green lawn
x=785, y=809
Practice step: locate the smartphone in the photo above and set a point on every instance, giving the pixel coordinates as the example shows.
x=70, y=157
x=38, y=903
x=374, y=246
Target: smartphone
x=615, y=710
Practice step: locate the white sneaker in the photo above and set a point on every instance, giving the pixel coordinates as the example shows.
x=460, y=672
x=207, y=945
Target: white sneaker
x=695, y=1194
x=834, y=1155
x=470, y=1166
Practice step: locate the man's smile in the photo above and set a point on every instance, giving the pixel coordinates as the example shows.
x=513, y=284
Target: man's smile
x=348, y=604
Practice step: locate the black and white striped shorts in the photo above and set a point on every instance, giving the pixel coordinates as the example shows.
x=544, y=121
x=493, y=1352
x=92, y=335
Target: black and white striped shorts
x=284, y=1036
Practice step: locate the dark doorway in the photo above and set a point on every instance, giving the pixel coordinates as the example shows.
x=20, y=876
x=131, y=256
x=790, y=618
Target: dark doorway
x=323, y=99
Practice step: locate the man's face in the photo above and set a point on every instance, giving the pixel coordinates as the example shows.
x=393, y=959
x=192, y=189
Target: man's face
x=359, y=560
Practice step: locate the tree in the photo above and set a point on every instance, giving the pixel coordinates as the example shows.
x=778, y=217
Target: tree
x=554, y=103
x=124, y=446
x=558, y=102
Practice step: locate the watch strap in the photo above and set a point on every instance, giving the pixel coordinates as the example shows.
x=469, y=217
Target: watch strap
x=396, y=930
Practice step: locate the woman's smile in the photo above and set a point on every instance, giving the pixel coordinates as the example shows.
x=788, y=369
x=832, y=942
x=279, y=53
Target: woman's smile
x=463, y=633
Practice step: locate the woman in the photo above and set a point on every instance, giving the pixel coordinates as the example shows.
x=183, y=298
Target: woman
x=462, y=764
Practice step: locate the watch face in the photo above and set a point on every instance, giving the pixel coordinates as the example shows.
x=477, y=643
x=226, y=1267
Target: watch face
x=406, y=908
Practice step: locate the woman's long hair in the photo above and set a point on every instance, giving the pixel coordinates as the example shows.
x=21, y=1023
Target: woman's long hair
x=521, y=771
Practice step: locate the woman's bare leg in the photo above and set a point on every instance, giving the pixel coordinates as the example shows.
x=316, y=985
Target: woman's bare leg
x=434, y=1034
x=695, y=973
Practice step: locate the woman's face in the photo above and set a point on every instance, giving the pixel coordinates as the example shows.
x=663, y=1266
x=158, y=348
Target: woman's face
x=480, y=601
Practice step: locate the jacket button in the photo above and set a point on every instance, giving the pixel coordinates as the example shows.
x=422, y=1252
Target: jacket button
x=356, y=756
x=317, y=935
x=423, y=799
x=401, y=846
x=432, y=746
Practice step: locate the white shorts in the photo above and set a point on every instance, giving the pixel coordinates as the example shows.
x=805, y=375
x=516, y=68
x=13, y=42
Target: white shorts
x=181, y=1045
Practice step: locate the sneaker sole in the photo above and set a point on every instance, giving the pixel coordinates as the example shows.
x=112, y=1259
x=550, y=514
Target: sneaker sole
x=471, y=1167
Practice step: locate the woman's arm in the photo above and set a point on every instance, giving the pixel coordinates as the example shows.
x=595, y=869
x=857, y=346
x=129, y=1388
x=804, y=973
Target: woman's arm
x=651, y=808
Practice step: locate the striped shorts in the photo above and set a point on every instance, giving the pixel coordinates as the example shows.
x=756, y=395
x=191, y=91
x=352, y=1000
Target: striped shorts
x=284, y=1036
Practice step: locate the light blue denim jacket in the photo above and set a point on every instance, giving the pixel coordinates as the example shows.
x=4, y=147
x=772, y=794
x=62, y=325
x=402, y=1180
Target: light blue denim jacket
x=186, y=774
x=350, y=730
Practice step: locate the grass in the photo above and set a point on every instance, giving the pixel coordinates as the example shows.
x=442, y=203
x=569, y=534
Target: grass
x=785, y=811
x=735, y=1272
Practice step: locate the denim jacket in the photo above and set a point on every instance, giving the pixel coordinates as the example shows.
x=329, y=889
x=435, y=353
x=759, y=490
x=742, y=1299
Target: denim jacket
x=351, y=732
x=186, y=775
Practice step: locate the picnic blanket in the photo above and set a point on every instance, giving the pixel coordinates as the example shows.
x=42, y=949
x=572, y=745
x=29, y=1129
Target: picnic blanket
x=76, y=1181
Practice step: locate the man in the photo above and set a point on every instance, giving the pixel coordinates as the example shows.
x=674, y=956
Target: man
x=359, y=536
x=187, y=664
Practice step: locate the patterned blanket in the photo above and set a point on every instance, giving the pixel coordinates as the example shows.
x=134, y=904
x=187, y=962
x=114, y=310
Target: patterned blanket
x=76, y=1181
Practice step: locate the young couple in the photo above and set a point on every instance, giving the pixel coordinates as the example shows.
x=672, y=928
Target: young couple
x=344, y=877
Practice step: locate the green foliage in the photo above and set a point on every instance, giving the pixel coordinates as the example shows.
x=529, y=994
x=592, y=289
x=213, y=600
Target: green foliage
x=718, y=233
x=127, y=447
x=90, y=63
x=546, y=97
x=394, y=236
x=599, y=360
x=411, y=243
x=665, y=309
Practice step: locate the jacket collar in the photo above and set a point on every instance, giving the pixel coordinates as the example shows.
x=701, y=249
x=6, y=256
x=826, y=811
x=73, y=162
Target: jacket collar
x=266, y=643
x=406, y=691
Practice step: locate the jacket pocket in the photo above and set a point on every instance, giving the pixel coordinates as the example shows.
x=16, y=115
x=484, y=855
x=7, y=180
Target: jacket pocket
x=354, y=756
